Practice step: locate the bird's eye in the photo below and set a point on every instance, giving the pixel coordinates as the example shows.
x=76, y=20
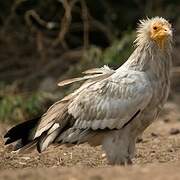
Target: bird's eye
x=155, y=28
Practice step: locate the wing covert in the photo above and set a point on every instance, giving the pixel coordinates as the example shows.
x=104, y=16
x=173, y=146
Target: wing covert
x=111, y=103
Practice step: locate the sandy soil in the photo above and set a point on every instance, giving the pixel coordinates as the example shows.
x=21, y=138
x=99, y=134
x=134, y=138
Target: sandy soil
x=157, y=157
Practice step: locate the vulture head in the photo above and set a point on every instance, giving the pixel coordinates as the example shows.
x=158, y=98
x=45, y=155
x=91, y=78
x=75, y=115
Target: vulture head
x=155, y=32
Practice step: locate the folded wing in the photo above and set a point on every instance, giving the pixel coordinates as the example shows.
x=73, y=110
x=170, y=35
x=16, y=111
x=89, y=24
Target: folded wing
x=111, y=103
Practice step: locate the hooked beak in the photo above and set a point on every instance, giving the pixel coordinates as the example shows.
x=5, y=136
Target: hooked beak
x=162, y=35
x=164, y=32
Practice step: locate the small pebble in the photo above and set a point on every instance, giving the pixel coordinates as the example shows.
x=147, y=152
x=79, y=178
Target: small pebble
x=174, y=131
x=170, y=150
x=139, y=140
x=154, y=134
x=25, y=158
x=153, y=151
x=96, y=177
x=22, y=163
x=103, y=155
x=166, y=120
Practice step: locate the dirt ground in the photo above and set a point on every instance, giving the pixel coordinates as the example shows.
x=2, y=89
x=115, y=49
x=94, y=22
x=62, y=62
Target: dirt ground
x=157, y=157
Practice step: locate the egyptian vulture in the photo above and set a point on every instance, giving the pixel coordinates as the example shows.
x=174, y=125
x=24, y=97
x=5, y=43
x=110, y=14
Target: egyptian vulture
x=112, y=107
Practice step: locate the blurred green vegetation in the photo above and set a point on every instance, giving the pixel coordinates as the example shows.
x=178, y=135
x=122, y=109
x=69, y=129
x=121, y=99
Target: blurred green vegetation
x=119, y=51
x=15, y=106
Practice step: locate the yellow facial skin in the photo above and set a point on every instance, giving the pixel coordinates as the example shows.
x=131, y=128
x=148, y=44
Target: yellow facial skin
x=159, y=33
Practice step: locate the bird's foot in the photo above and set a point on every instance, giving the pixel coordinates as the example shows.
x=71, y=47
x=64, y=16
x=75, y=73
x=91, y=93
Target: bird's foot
x=121, y=161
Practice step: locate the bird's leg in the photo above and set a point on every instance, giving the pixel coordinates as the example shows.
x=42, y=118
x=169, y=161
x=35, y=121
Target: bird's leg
x=119, y=146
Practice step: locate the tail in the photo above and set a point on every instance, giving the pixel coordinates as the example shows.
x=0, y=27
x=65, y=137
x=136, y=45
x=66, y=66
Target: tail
x=23, y=134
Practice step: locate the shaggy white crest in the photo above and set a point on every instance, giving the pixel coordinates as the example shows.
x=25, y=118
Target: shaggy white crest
x=144, y=28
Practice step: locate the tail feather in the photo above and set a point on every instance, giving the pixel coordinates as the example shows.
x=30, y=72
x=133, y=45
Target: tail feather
x=19, y=147
x=46, y=139
x=22, y=133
